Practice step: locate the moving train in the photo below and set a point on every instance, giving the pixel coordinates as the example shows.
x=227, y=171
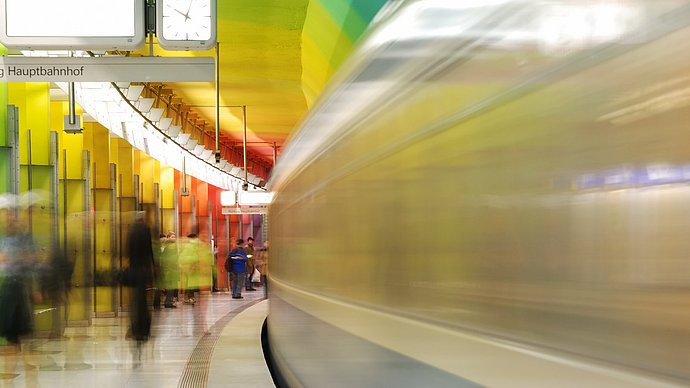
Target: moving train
x=491, y=193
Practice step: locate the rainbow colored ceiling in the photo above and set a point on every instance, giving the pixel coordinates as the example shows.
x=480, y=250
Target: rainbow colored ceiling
x=276, y=56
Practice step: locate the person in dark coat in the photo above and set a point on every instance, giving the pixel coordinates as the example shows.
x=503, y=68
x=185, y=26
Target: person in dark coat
x=236, y=265
x=18, y=260
x=141, y=274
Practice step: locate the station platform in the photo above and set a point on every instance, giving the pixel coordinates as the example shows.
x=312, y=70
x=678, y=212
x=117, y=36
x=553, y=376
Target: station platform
x=216, y=342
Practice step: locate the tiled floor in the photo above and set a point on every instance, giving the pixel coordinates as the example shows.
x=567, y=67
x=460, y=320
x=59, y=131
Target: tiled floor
x=178, y=354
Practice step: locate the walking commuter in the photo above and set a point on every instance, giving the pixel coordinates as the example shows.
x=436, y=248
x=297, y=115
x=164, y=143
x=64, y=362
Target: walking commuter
x=189, y=268
x=170, y=272
x=18, y=260
x=261, y=263
x=196, y=260
x=55, y=283
x=141, y=276
x=249, y=249
x=236, y=265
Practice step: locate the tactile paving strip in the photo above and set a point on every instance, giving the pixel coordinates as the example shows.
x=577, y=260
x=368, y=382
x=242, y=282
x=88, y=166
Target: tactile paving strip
x=195, y=374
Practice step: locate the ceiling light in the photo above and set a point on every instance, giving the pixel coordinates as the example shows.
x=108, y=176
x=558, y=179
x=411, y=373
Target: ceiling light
x=144, y=104
x=164, y=123
x=155, y=114
x=134, y=91
x=191, y=143
x=228, y=198
x=250, y=198
x=174, y=131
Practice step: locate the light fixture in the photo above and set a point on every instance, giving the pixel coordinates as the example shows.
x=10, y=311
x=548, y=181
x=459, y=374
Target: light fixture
x=191, y=144
x=164, y=123
x=144, y=104
x=228, y=198
x=134, y=91
x=104, y=103
x=155, y=114
x=182, y=138
x=174, y=131
x=254, y=198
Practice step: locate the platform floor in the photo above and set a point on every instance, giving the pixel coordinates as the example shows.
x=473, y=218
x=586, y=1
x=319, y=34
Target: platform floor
x=211, y=344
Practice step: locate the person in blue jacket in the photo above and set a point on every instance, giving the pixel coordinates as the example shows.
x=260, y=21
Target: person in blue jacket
x=236, y=265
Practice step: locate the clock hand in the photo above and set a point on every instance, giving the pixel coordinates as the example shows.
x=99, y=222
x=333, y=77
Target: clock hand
x=180, y=12
x=189, y=9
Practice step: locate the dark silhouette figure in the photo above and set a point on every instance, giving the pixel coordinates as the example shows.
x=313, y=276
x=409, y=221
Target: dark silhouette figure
x=141, y=276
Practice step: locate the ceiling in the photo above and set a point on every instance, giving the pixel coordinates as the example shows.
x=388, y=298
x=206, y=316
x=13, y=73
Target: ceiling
x=275, y=57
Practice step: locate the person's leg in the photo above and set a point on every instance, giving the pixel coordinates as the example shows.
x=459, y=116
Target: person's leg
x=242, y=277
x=169, y=294
x=156, y=298
x=235, y=283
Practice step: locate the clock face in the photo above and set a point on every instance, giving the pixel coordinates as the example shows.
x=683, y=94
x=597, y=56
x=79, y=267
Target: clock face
x=186, y=21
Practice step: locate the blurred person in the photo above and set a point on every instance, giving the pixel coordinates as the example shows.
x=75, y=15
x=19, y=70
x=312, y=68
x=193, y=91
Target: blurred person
x=236, y=265
x=261, y=263
x=18, y=259
x=249, y=249
x=173, y=237
x=157, y=245
x=195, y=266
x=55, y=284
x=170, y=271
x=214, y=269
x=141, y=276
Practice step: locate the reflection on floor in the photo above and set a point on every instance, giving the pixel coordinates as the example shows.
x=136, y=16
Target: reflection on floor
x=178, y=353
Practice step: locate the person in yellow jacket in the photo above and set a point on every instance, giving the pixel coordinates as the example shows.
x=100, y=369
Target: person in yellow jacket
x=195, y=267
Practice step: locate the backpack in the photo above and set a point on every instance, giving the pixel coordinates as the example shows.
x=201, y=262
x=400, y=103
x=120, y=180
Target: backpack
x=228, y=264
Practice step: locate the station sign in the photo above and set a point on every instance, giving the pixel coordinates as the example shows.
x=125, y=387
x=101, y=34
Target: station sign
x=245, y=210
x=106, y=69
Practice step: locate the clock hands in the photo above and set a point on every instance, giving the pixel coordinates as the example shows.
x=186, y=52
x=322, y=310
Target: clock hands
x=189, y=9
x=185, y=14
x=186, y=17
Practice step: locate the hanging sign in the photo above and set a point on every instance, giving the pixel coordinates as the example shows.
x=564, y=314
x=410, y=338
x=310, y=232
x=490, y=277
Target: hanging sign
x=106, y=69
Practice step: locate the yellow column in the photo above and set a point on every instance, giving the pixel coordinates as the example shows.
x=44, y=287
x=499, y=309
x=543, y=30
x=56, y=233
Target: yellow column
x=33, y=101
x=36, y=173
x=123, y=154
x=97, y=139
x=72, y=213
x=167, y=187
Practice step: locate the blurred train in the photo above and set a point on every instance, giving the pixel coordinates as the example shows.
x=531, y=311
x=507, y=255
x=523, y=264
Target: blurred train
x=492, y=193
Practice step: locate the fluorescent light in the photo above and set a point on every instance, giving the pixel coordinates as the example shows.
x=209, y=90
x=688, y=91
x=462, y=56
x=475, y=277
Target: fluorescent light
x=174, y=131
x=183, y=138
x=144, y=104
x=191, y=143
x=134, y=91
x=228, y=198
x=124, y=122
x=249, y=198
x=155, y=114
x=164, y=123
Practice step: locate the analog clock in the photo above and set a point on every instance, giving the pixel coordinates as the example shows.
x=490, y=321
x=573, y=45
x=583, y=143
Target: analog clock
x=186, y=24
